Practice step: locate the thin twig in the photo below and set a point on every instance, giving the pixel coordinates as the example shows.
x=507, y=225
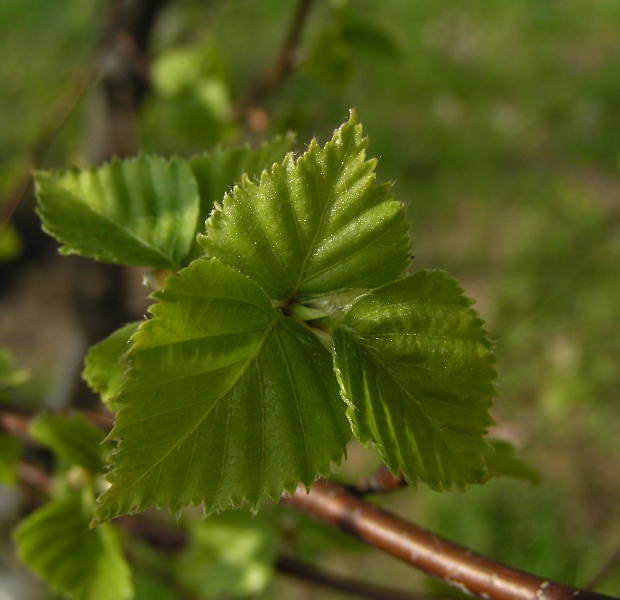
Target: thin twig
x=286, y=58
x=36, y=483
x=354, y=587
x=380, y=482
x=16, y=422
x=461, y=568
x=283, y=65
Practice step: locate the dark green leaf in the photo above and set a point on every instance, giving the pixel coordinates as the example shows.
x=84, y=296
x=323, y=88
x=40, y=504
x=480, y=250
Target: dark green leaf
x=225, y=400
x=415, y=366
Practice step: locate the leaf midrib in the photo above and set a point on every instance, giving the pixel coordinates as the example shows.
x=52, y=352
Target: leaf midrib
x=328, y=205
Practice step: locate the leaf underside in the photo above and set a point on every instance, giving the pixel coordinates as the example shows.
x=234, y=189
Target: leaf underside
x=415, y=366
x=314, y=226
x=226, y=400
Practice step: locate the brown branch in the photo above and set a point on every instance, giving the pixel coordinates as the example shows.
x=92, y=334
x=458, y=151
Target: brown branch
x=172, y=539
x=139, y=18
x=285, y=60
x=16, y=422
x=123, y=61
x=380, y=482
x=282, y=67
x=35, y=483
x=461, y=568
x=334, y=505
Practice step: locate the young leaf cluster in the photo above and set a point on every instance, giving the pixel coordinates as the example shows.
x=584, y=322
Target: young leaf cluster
x=289, y=326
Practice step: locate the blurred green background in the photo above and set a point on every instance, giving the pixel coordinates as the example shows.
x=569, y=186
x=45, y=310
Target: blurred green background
x=499, y=124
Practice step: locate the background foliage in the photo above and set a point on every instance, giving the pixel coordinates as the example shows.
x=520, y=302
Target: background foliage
x=498, y=123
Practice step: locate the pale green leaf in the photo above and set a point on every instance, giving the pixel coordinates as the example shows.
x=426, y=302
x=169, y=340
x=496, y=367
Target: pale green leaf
x=104, y=370
x=231, y=554
x=73, y=437
x=141, y=211
x=225, y=400
x=314, y=226
x=10, y=453
x=56, y=543
x=415, y=366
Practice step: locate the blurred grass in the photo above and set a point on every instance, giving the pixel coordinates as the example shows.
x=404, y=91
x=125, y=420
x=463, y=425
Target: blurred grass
x=500, y=125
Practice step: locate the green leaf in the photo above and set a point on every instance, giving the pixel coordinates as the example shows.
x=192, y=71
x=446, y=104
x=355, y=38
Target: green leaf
x=313, y=226
x=217, y=172
x=141, y=211
x=231, y=554
x=73, y=437
x=225, y=400
x=415, y=366
x=10, y=453
x=104, y=370
x=501, y=459
x=56, y=543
